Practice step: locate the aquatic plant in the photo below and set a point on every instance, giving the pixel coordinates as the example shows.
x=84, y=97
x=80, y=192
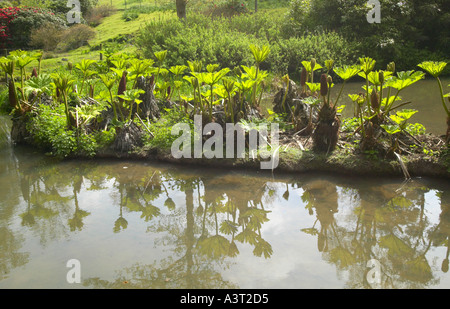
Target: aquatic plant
x=84, y=67
x=435, y=68
x=109, y=82
x=131, y=97
x=63, y=81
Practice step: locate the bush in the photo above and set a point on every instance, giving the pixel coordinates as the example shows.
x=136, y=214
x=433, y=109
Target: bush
x=162, y=129
x=410, y=31
x=49, y=132
x=129, y=15
x=16, y=25
x=321, y=46
x=5, y=4
x=215, y=44
x=76, y=36
x=5, y=107
x=46, y=37
x=95, y=15
x=226, y=41
x=59, y=6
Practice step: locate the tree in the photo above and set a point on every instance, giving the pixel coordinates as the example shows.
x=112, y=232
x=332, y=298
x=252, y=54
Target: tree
x=181, y=8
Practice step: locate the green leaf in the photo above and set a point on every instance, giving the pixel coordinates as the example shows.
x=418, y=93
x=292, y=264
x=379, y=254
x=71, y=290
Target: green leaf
x=404, y=79
x=397, y=119
x=214, y=247
x=307, y=65
x=390, y=100
x=406, y=113
x=40, y=84
x=260, y=53
x=178, y=69
x=367, y=64
x=390, y=129
x=313, y=87
x=161, y=56
x=262, y=247
x=354, y=97
x=339, y=109
x=342, y=257
x=212, y=67
x=195, y=66
x=108, y=80
x=84, y=66
x=374, y=76
x=346, y=72
x=434, y=68
x=228, y=227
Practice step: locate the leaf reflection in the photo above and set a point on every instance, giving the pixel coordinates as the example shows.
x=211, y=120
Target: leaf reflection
x=205, y=220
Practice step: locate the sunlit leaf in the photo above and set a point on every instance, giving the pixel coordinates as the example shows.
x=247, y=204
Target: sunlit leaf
x=434, y=68
x=346, y=72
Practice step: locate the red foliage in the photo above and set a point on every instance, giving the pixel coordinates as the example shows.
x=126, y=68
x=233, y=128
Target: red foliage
x=7, y=15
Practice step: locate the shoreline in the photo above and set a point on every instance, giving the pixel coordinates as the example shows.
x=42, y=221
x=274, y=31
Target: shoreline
x=295, y=161
x=336, y=163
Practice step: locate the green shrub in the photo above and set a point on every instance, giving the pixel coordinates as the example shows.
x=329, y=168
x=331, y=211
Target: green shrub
x=226, y=41
x=5, y=108
x=49, y=132
x=321, y=46
x=162, y=129
x=194, y=41
x=128, y=16
x=27, y=20
x=76, y=36
x=59, y=6
x=95, y=15
x=46, y=37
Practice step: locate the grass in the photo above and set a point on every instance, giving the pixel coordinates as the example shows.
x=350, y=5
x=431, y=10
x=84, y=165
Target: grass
x=110, y=27
x=114, y=25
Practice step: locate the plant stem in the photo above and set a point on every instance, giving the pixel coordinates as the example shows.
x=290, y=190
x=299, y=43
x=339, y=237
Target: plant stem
x=131, y=110
x=381, y=98
x=442, y=96
x=367, y=96
x=113, y=105
x=389, y=106
x=66, y=109
x=211, y=103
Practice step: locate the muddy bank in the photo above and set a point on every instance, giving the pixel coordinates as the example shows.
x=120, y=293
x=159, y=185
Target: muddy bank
x=297, y=161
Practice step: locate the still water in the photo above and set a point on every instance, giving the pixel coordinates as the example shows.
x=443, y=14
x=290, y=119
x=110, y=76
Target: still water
x=423, y=96
x=148, y=225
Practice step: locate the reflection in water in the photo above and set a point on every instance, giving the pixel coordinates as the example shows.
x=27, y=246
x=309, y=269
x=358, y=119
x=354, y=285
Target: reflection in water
x=203, y=223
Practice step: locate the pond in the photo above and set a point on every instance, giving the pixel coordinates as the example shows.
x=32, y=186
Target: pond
x=424, y=96
x=135, y=224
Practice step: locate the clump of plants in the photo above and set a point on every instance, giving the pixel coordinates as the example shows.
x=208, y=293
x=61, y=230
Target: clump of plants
x=124, y=102
x=382, y=121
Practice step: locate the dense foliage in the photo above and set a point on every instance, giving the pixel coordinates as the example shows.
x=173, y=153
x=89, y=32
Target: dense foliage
x=225, y=41
x=90, y=105
x=16, y=25
x=409, y=31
